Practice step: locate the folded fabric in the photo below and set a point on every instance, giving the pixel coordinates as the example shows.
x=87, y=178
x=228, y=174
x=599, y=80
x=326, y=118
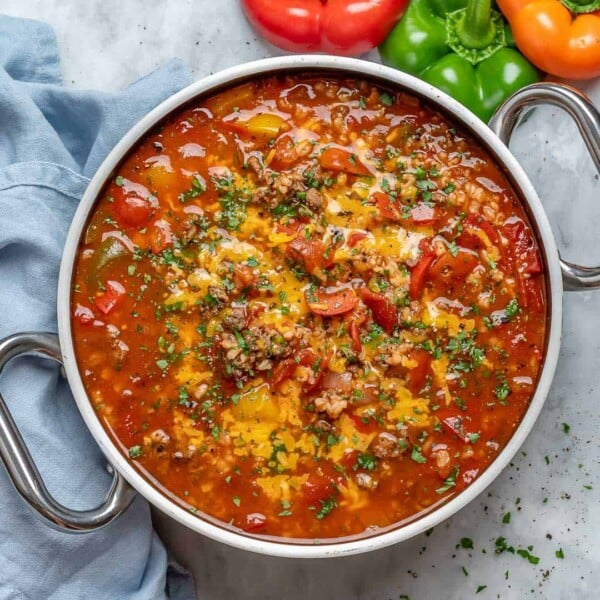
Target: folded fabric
x=51, y=140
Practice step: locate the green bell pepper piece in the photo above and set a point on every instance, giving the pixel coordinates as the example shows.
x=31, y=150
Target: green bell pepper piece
x=462, y=47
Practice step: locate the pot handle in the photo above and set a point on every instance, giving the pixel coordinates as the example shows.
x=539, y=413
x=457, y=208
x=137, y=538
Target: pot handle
x=587, y=118
x=21, y=468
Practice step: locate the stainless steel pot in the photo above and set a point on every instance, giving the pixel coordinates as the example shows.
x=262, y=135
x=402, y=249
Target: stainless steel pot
x=126, y=478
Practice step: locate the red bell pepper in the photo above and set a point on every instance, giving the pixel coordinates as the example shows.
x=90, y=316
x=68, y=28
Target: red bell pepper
x=384, y=312
x=419, y=272
x=330, y=301
x=109, y=299
x=346, y=27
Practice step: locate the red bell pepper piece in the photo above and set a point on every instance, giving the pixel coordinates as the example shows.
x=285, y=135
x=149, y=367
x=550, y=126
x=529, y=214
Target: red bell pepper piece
x=160, y=236
x=312, y=254
x=418, y=375
x=448, y=266
x=347, y=27
x=420, y=271
x=305, y=358
x=384, y=312
x=113, y=295
x=421, y=214
x=355, y=237
x=530, y=295
x=524, y=247
x=330, y=302
x=133, y=203
x=336, y=159
x=478, y=221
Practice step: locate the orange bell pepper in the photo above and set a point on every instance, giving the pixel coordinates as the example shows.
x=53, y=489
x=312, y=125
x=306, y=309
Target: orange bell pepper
x=561, y=37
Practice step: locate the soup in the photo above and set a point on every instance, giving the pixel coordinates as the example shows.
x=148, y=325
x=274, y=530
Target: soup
x=309, y=307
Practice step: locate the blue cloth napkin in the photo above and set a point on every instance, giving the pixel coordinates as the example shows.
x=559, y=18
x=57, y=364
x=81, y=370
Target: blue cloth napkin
x=51, y=141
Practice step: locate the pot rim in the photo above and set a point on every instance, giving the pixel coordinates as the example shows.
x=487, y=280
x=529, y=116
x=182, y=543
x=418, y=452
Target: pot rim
x=447, y=106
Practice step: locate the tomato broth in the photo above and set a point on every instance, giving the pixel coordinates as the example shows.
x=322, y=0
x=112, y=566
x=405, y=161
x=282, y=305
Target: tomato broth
x=309, y=307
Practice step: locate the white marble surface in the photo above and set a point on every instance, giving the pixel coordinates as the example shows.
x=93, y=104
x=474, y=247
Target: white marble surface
x=107, y=43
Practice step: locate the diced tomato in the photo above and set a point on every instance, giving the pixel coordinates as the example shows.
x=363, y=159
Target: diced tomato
x=113, y=295
x=331, y=301
x=133, y=203
x=160, y=236
x=312, y=254
x=419, y=274
x=84, y=315
x=254, y=522
x=449, y=267
x=355, y=237
x=421, y=214
x=349, y=458
x=285, y=369
x=384, y=312
x=290, y=228
x=317, y=488
x=243, y=277
x=285, y=154
x=478, y=221
x=418, y=375
x=336, y=159
x=524, y=246
x=387, y=208
x=531, y=295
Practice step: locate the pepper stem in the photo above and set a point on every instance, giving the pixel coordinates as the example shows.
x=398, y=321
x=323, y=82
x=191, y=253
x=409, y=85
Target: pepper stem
x=475, y=32
x=476, y=29
x=582, y=6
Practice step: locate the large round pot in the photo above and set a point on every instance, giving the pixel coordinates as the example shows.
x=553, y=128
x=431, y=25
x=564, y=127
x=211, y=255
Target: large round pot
x=126, y=478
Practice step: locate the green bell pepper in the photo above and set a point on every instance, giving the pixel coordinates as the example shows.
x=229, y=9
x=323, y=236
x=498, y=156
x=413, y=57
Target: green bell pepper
x=462, y=47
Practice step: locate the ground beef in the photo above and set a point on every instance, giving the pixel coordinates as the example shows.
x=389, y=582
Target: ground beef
x=386, y=445
x=296, y=187
x=218, y=293
x=236, y=318
x=314, y=199
x=252, y=350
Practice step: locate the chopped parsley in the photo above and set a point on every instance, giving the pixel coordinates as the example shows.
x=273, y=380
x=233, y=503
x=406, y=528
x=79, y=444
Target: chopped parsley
x=135, y=452
x=450, y=481
x=512, y=309
x=386, y=99
x=366, y=461
x=326, y=507
x=502, y=390
x=198, y=187
x=417, y=456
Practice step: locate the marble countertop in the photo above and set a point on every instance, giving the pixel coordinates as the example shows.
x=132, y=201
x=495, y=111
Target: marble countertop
x=552, y=488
